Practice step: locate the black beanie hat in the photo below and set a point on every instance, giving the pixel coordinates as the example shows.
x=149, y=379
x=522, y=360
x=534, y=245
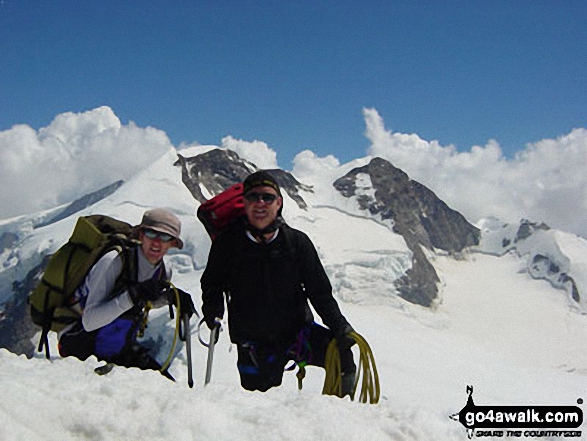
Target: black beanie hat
x=261, y=178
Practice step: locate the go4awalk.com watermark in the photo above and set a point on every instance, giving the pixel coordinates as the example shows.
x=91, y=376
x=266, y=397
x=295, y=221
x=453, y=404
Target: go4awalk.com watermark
x=520, y=421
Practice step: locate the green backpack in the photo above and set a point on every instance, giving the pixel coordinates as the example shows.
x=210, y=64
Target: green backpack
x=52, y=302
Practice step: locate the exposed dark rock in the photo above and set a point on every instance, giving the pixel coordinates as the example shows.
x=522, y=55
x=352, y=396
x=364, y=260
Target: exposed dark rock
x=564, y=278
x=418, y=285
x=418, y=215
x=527, y=228
x=219, y=169
x=216, y=170
x=291, y=185
x=415, y=210
x=542, y=267
x=7, y=240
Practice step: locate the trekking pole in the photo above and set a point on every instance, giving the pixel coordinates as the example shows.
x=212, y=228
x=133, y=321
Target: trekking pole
x=188, y=346
x=213, y=336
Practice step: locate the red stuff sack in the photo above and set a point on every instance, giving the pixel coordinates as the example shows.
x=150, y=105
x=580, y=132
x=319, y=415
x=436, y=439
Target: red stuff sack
x=221, y=211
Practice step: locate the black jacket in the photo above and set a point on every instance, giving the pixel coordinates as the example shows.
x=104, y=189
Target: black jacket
x=267, y=286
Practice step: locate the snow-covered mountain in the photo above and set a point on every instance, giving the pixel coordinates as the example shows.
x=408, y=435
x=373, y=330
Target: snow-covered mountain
x=443, y=304
x=377, y=191
x=552, y=255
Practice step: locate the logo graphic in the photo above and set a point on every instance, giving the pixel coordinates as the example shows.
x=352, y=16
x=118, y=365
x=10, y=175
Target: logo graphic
x=486, y=420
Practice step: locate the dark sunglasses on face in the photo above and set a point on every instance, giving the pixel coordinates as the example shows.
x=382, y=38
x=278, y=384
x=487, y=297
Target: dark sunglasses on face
x=153, y=234
x=268, y=198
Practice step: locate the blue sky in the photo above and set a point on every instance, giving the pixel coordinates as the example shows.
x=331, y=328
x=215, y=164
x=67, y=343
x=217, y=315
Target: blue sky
x=297, y=74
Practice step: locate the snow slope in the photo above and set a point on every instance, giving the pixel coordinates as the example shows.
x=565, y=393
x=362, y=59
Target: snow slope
x=516, y=339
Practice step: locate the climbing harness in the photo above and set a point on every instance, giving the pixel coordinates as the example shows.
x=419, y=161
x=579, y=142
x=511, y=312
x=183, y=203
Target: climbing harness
x=300, y=353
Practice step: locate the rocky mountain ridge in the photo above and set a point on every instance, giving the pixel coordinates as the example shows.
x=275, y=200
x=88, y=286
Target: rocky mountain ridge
x=416, y=212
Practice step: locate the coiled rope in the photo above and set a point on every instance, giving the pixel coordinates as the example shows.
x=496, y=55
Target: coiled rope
x=370, y=390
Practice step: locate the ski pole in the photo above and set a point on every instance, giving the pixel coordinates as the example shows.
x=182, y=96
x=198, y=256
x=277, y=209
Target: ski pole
x=188, y=346
x=211, y=344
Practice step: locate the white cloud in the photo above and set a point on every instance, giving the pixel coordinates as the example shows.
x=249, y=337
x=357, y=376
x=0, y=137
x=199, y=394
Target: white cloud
x=256, y=152
x=74, y=155
x=308, y=165
x=80, y=153
x=544, y=182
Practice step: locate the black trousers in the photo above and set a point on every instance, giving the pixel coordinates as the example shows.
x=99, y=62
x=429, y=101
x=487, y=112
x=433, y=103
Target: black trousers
x=79, y=343
x=261, y=364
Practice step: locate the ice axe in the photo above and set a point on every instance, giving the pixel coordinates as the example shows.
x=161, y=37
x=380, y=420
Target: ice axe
x=182, y=328
x=188, y=346
x=210, y=345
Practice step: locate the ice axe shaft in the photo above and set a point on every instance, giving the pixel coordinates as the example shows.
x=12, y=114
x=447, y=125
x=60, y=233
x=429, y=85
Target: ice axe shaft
x=211, y=344
x=188, y=346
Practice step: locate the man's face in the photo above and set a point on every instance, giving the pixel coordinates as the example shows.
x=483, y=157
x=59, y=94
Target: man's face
x=260, y=211
x=155, y=244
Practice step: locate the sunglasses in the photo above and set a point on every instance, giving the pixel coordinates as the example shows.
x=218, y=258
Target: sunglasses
x=153, y=234
x=268, y=198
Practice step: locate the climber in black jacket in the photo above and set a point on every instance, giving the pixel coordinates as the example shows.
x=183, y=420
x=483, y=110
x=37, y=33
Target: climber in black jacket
x=267, y=271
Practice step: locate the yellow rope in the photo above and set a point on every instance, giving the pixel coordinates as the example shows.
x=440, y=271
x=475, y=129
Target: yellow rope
x=332, y=381
x=370, y=382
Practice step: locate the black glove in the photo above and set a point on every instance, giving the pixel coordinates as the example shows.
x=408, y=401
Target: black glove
x=343, y=339
x=186, y=304
x=148, y=291
x=211, y=322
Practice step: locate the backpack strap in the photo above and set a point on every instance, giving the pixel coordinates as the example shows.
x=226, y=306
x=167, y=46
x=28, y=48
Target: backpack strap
x=130, y=270
x=44, y=339
x=161, y=273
